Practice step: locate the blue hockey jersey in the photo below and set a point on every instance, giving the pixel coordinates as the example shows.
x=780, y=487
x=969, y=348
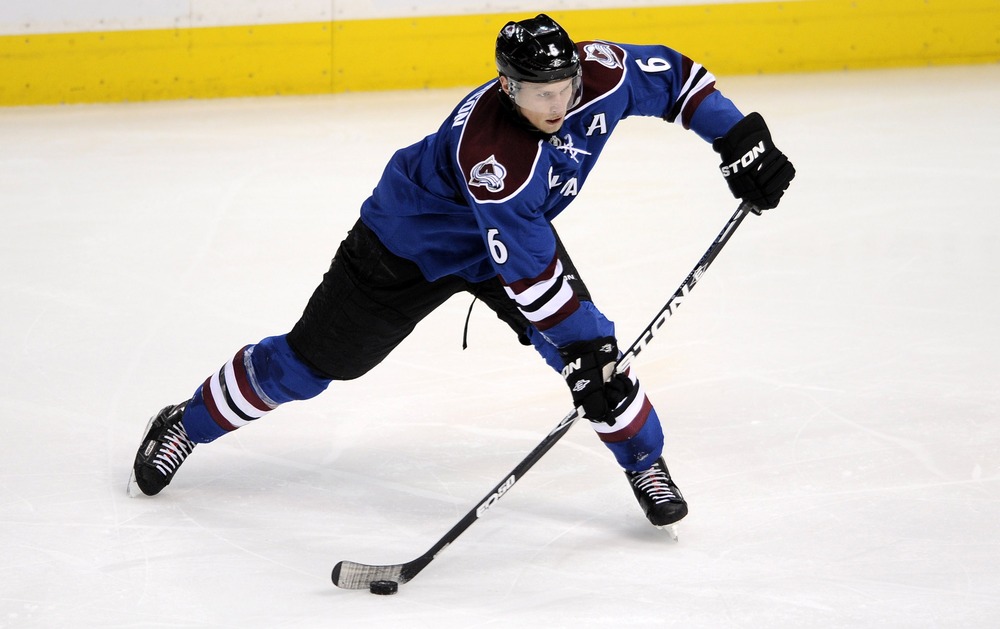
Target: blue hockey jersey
x=475, y=199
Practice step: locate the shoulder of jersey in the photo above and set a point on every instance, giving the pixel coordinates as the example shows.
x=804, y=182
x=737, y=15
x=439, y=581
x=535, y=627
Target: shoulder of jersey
x=603, y=70
x=497, y=156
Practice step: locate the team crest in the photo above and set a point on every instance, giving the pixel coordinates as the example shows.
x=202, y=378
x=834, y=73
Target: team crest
x=602, y=54
x=489, y=174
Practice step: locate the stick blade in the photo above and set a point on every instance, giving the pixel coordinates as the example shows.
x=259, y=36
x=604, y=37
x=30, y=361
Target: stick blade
x=351, y=575
x=358, y=576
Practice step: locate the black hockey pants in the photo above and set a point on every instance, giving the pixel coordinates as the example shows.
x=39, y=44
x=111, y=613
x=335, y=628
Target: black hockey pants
x=370, y=300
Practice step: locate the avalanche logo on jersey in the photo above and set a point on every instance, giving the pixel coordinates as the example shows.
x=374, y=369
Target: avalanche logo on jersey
x=488, y=173
x=602, y=54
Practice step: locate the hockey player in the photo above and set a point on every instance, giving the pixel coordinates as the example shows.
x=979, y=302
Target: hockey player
x=469, y=208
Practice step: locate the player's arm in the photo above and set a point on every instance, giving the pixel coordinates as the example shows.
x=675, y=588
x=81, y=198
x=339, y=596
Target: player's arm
x=664, y=82
x=582, y=336
x=524, y=254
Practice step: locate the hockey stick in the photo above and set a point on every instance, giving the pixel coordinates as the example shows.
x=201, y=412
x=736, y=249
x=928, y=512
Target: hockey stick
x=352, y=575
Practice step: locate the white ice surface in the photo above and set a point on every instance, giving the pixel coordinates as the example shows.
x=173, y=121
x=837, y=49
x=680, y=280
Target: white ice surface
x=829, y=390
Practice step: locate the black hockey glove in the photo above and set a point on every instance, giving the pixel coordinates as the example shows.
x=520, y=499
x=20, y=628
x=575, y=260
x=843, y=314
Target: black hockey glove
x=589, y=372
x=756, y=171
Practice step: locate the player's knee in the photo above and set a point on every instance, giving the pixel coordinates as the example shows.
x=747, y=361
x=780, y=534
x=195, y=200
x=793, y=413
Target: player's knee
x=282, y=374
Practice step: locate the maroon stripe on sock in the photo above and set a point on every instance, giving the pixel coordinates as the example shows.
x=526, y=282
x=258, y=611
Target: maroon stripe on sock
x=243, y=382
x=632, y=429
x=213, y=408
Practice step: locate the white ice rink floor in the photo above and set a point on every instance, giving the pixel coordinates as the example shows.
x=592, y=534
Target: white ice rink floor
x=829, y=390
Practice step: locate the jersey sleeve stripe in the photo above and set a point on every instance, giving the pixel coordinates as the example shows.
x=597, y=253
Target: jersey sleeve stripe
x=698, y=83
x=551, y=311
x=546, y=300
x=552, y=294
x=526, y=292
x=566, y=308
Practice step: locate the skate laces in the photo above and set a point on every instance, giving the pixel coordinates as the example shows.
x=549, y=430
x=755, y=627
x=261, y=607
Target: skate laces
x=175, y=446
x=656, y=484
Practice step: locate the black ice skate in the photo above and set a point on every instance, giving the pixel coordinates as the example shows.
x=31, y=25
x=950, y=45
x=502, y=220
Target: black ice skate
x=164, y=447
x=658, y=496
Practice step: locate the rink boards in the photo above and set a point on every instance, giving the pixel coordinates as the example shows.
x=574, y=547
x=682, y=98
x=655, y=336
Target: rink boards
x=430, y=51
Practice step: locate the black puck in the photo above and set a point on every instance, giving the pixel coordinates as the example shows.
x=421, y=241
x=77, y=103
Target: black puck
x=383, y=587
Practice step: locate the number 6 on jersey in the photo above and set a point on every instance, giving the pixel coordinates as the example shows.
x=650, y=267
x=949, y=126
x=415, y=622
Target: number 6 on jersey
x=497, y=249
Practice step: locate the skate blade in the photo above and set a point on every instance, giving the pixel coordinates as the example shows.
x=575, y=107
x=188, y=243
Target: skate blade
x=132, y=489
x=671, y=530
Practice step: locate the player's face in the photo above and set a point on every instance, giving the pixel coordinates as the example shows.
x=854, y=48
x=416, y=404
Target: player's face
x=544, y=105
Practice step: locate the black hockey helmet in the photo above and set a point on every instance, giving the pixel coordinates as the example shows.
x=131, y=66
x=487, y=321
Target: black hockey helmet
x=537, y=50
